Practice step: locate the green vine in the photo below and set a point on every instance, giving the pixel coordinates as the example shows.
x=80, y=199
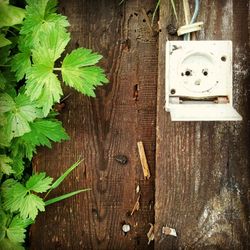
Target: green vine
x=32, y=41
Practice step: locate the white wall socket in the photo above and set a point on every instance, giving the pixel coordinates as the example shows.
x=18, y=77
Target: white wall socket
x=199, y=81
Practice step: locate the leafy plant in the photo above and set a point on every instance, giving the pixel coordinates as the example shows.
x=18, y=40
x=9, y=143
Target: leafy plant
x=21, y=204
x=32, y=42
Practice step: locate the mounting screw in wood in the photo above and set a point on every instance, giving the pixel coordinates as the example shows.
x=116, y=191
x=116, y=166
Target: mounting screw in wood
x=126, y=228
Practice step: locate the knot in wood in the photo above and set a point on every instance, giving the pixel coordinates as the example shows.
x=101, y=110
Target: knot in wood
x=171, y=30
x=122, y=159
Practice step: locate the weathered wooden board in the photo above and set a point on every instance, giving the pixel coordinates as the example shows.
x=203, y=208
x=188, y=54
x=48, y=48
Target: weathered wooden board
x=202, y=168
x=123, y=113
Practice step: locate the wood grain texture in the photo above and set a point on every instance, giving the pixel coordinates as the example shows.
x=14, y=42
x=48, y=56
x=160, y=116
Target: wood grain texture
x=123, y=113
x=202, y=168
x=202, y=176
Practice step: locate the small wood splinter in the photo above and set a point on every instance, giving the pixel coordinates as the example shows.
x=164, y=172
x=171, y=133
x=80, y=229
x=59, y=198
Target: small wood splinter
x=150, y=233
x=169, y=231
x=143, y=159
x=136, y=206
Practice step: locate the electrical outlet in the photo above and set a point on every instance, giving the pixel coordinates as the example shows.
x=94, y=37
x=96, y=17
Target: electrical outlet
x=199, y=80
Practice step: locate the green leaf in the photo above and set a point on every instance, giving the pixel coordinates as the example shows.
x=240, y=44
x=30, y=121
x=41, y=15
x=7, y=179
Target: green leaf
x=81, y=57
x=18, y=166
x=43, y=86
x=16, y=230
x=39, y=183
x=2, y=81
x=51, y=7
x=30, y=205
x=5, y=1
x=78, y=75
x=5, y=165
x=25, y=43
x=47, y=129
x=6, y=103
x=27, y=109
x=4, y=41
x=4, y=52
x=7, y=186
x=10, y=15
x=16, y=125
x=3, y=217
x=20, y=64
x=13, y=194
x=2, y=119
x=57, y=19
x=17, y=198
x=36, y=7
x=4, y=139
x=21, y=112
x=39, y=13
x=40, y=17
x=65, y=196
x=3, y=221
x=7, y=81
x=17, y=221
x=42, y=132
x=16, y=234
x=50, y=46
x=6, y=244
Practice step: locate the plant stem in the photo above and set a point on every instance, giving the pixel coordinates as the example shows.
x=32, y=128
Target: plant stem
x=173, y=6
x=57, y=69
x=11, y=32
x=155, y=11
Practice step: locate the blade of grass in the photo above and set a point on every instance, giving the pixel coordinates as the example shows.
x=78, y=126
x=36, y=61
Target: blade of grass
x=157, y=7
x=64, y=196
x=155, y=11
x=62, y=177
x=173, y=6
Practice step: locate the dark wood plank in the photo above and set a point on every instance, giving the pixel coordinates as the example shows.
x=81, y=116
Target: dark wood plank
x=123, y=113
x=202, y=168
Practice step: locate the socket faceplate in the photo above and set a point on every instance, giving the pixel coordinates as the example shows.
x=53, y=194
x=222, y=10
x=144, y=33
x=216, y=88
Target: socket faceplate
x=199, y=76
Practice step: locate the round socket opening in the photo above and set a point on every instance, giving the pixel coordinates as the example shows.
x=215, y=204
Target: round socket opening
x=188, y=73
x=205, y=72
x=223, y=58
x=172, y=91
